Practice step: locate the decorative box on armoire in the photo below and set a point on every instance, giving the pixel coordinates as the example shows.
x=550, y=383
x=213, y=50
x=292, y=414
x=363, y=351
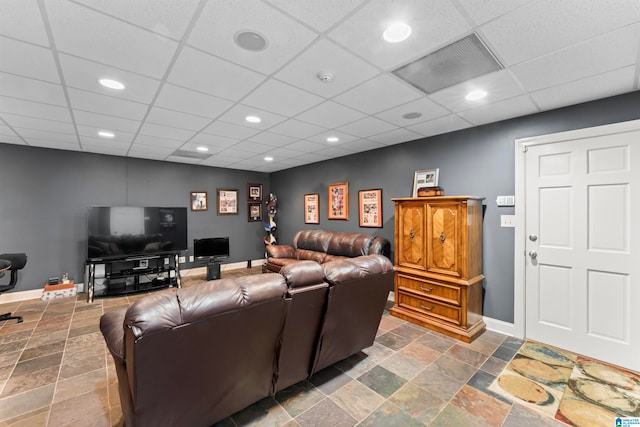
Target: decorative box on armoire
x=438, y=259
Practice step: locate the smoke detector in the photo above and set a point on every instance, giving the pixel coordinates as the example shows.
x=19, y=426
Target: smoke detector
x=325, y=77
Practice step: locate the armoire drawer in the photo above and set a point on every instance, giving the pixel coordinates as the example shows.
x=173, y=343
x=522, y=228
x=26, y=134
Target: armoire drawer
x=431, y=308
x=450, y=294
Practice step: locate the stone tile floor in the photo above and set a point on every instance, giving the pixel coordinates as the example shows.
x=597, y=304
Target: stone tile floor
x=55, y=371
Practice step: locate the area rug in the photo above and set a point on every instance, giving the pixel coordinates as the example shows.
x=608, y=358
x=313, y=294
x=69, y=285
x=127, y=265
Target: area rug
x=570, y=388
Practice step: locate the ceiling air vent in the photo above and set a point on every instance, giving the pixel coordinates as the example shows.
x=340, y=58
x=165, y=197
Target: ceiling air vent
x=191, y=154
x=458, y=62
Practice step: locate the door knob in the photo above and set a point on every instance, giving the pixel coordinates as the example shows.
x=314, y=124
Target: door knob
x=533, y=254
x=533, y=237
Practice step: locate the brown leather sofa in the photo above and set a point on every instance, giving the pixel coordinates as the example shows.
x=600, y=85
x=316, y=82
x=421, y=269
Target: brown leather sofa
x=197, y=355
x=323, y=246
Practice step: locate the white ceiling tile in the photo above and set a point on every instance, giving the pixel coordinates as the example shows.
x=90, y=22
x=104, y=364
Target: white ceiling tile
x=395, y=137
x=440, y=125
x=144, y=154
x=83, y=74
x=498, y=85
x=46, y=135
x=111, y=146
x=91, y=133
x=106, y=122
x=176, y=119
x=428, y=110
x=326, y=57
x=188, y=101
x=331, y=152
x=110, y=41
x=178, y=159
x=230, y=130
x=378, y=94
x=297, y=129
x=4, y=129
x=317, y=157
x=272, y=139
x=252, y=147
x=281, y=98
x=31, y=90
x=36, y=123
x=305, y=146
x=12, y=139
x=21, y=19
x=100, y=149
x=433, y=24
x=367, y=127
x=102, y=104
x=153, y=150
x=284, y=153
x=322, y=138
x=237, y=114
x=205, y=73
x=360, y=145
x=166, y=17
x=544, y=26
x=320, y=15
x=612, y=51
x=482, y=11
x=27, y=60
x=152, y=129
x=285, y=37
x=600, y=86
x=34, y=109
x=233, y=152
x=502, y=110
x=330, y=115
x=69, y=145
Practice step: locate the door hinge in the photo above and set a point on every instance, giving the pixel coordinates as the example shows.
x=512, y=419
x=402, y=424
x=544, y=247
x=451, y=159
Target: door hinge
x=525, y=148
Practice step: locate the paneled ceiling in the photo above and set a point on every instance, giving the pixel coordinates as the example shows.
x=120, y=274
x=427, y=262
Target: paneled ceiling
x=189, y=86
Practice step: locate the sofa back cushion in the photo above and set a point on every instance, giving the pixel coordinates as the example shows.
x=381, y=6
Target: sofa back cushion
x=338, y=243
x=313, y=240
x=186, y=350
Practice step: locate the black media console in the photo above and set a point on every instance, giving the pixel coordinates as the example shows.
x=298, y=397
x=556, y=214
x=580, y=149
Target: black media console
x=117, y=277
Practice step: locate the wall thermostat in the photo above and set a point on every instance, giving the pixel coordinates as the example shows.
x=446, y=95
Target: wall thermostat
x=506, y=201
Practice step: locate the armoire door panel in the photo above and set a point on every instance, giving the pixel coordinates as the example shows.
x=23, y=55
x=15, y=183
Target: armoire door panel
x=443, y=237
x=412, y=249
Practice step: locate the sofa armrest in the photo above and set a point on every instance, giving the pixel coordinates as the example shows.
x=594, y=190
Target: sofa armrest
x=111, y=326
x=280, y=251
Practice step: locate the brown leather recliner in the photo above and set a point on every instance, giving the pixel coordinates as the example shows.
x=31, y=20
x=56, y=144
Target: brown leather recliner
x=323, y=246
x=197, y=355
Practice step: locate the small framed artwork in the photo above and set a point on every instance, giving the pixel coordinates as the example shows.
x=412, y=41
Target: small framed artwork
x=255, y=212
x=199, y=201
x=227, y=201
x=311, y=209
x=254, y=192
x=424, y=178
x=370, y=207
x=338, y=201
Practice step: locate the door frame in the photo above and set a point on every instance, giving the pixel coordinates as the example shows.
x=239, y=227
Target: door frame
x=521, y=147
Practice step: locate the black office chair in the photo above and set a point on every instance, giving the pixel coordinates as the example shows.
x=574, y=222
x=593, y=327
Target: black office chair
x=13, y=263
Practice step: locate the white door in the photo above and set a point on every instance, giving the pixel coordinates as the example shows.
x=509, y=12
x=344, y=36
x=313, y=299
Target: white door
x=582, y=245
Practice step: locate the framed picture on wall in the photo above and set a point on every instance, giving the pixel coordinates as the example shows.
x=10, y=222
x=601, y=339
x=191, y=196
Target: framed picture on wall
x=199, y=201
x=311, y=209
x=254, y=192
x=338, y=201
x=370, y=208
x=424, y=178
x=254, y=212
x=227, y=201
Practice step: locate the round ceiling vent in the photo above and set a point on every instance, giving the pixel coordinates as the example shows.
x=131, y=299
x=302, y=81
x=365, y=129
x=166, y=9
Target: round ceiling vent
x=411, y=116
x=250, y=40
x=325, y=77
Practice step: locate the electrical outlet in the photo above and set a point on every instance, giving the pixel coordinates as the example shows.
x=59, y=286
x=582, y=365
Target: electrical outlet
x=190, y=258
x=507, y=220
x=182, y=260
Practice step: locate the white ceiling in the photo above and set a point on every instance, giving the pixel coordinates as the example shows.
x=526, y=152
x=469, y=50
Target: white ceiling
x=188, y=84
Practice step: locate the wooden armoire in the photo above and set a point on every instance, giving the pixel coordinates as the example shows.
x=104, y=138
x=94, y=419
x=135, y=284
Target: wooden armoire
x=438, y=258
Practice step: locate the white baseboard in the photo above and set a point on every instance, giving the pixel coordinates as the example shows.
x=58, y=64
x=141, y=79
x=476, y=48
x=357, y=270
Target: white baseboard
x=500, y=326
x=10, y=297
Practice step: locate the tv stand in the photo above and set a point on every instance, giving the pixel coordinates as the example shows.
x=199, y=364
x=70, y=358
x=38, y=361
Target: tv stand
x=123, y=276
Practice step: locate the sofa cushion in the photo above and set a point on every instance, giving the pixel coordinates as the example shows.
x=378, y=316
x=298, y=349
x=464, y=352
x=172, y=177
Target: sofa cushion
x=349, y=244
x=313, y=240
x=305, y=254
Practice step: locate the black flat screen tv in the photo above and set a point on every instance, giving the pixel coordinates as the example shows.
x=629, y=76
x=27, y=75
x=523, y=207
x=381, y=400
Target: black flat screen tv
x=211, y=247
x=130, y=232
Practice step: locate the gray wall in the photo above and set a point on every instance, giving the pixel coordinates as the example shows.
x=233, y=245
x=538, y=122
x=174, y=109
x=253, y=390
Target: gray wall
x=44, y=196
x=479, y=161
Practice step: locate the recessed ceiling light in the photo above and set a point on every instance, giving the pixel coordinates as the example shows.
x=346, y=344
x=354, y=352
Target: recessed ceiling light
x=333, y=139
x=106, y=134
x=475, y=95
x=202, y=148
x=111, y=84
x=253, y=119
x=250, y=40
x=412, y=115
x=268, y=159
x=397, y=32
